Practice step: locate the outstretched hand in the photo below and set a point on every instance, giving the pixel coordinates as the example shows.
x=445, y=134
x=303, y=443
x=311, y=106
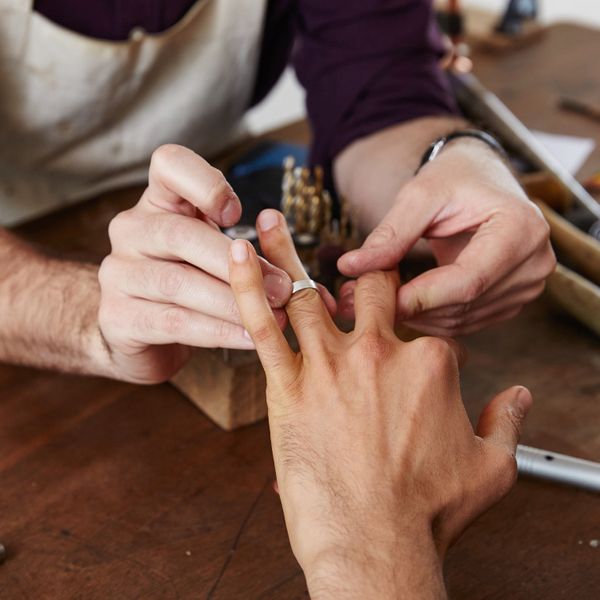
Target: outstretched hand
x=378, y=467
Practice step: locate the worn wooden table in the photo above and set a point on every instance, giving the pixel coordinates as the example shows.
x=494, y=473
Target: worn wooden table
x=110, y=490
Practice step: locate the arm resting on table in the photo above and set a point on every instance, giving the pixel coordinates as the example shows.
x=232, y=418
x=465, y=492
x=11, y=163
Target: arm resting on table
x=48, y=311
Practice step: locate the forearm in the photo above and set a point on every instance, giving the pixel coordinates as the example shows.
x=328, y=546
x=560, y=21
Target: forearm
x=48, y=311
x=370, y=172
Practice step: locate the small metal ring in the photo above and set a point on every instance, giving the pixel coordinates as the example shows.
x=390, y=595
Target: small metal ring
x=303, y=284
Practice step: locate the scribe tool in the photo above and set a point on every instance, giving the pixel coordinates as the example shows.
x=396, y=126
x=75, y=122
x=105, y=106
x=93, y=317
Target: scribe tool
x=559, y=468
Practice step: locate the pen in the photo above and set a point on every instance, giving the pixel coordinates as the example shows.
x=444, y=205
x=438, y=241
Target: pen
x=560, y=468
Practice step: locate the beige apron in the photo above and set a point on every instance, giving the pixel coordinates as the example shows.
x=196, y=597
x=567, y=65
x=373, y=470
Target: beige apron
x=79, y=115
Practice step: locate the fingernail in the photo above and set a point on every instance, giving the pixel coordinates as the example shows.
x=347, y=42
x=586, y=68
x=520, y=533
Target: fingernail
x=247, y=335
x=268, y=220
x=239, y=251
x=524, y=400
x=231, y=212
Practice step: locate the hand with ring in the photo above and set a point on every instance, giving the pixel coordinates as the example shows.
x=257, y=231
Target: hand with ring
x=378, y=467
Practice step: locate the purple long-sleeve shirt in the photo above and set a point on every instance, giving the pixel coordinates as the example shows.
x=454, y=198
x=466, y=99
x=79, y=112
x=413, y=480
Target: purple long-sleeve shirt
x=365, y=64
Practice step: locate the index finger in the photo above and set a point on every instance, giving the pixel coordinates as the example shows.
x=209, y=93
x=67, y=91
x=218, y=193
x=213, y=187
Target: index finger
x=487, y=258
x=179, y=179
x=245, y=275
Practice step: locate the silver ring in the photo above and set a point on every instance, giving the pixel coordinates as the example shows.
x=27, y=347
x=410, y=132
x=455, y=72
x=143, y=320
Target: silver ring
x=303, y=284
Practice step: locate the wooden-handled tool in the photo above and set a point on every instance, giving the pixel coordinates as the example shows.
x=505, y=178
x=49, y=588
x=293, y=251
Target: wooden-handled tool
x=481, y=104
x=576, y=295
x=581, y=250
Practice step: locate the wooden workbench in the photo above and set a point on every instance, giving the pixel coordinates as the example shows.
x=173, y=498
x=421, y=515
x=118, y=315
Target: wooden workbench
x=109, y=490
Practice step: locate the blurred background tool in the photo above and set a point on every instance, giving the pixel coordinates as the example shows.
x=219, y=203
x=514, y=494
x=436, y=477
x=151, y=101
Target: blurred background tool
x=576, y=295
x=559, y=468
x=575, y=247
x=517, y=15
x=485, y=107
x=581, y=107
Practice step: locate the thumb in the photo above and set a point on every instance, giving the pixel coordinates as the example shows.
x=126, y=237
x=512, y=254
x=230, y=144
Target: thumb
x=387, y=244
x=501, y=420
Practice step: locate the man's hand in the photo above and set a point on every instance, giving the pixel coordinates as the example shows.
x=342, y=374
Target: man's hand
x=165, y=285
x=378, y=468
x=491, y=244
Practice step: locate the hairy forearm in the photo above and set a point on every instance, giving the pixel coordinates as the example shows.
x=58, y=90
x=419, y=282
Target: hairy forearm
x=48, y=311
x=370, y=172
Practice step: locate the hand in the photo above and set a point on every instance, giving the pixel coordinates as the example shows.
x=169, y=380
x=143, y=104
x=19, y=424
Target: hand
x=490, y=242
x=378, y=468
x=164, y=287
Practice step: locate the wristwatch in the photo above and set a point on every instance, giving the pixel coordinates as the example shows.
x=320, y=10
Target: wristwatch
x=438, y=145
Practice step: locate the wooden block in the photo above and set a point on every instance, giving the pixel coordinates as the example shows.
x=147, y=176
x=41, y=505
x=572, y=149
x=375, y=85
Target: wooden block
x=227, y=385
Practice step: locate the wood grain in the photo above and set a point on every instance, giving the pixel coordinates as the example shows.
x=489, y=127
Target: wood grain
x=109, y=490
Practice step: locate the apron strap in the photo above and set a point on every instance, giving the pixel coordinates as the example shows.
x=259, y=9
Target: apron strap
x=14, y=24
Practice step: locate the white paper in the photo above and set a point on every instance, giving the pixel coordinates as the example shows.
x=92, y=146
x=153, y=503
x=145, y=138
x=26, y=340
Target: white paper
x=571, y=151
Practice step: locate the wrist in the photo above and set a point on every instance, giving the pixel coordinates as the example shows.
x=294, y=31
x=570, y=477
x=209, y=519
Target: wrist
x=474, y=138
x=408, y=567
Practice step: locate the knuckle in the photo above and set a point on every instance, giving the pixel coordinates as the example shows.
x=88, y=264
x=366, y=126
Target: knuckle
x=261, y=333
x=105, y=272
x=119, y=227
x=176, y=232
x=171, y=321
x=112, y=319
x=219, y=191
x=170, y=280
x=475, y=287
x=230, y=309
x=224, y=331
x=383, y=233
x=436, y=351
x=243, y=286
x=374, y=347
x=549, y=263
x=164, y=156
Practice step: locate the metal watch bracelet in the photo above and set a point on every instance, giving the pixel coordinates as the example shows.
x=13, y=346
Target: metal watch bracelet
x=438, y=145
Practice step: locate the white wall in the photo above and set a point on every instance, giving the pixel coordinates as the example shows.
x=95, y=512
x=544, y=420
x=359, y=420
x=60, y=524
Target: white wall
x=286, y=102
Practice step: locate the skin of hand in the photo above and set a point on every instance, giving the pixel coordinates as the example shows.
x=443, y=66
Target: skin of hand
x=490, y=242
x=378, y=467
x=165, y=284
x=163, y=288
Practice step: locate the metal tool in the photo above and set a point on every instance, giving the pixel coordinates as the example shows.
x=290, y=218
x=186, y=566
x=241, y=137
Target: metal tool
x=485, y=106
x=580, y=107
x=560, y=468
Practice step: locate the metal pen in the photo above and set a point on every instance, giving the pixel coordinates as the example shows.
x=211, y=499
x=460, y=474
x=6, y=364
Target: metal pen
x=559, y=468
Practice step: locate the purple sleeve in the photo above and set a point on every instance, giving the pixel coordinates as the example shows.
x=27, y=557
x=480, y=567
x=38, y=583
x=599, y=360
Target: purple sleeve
x=366, y=65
